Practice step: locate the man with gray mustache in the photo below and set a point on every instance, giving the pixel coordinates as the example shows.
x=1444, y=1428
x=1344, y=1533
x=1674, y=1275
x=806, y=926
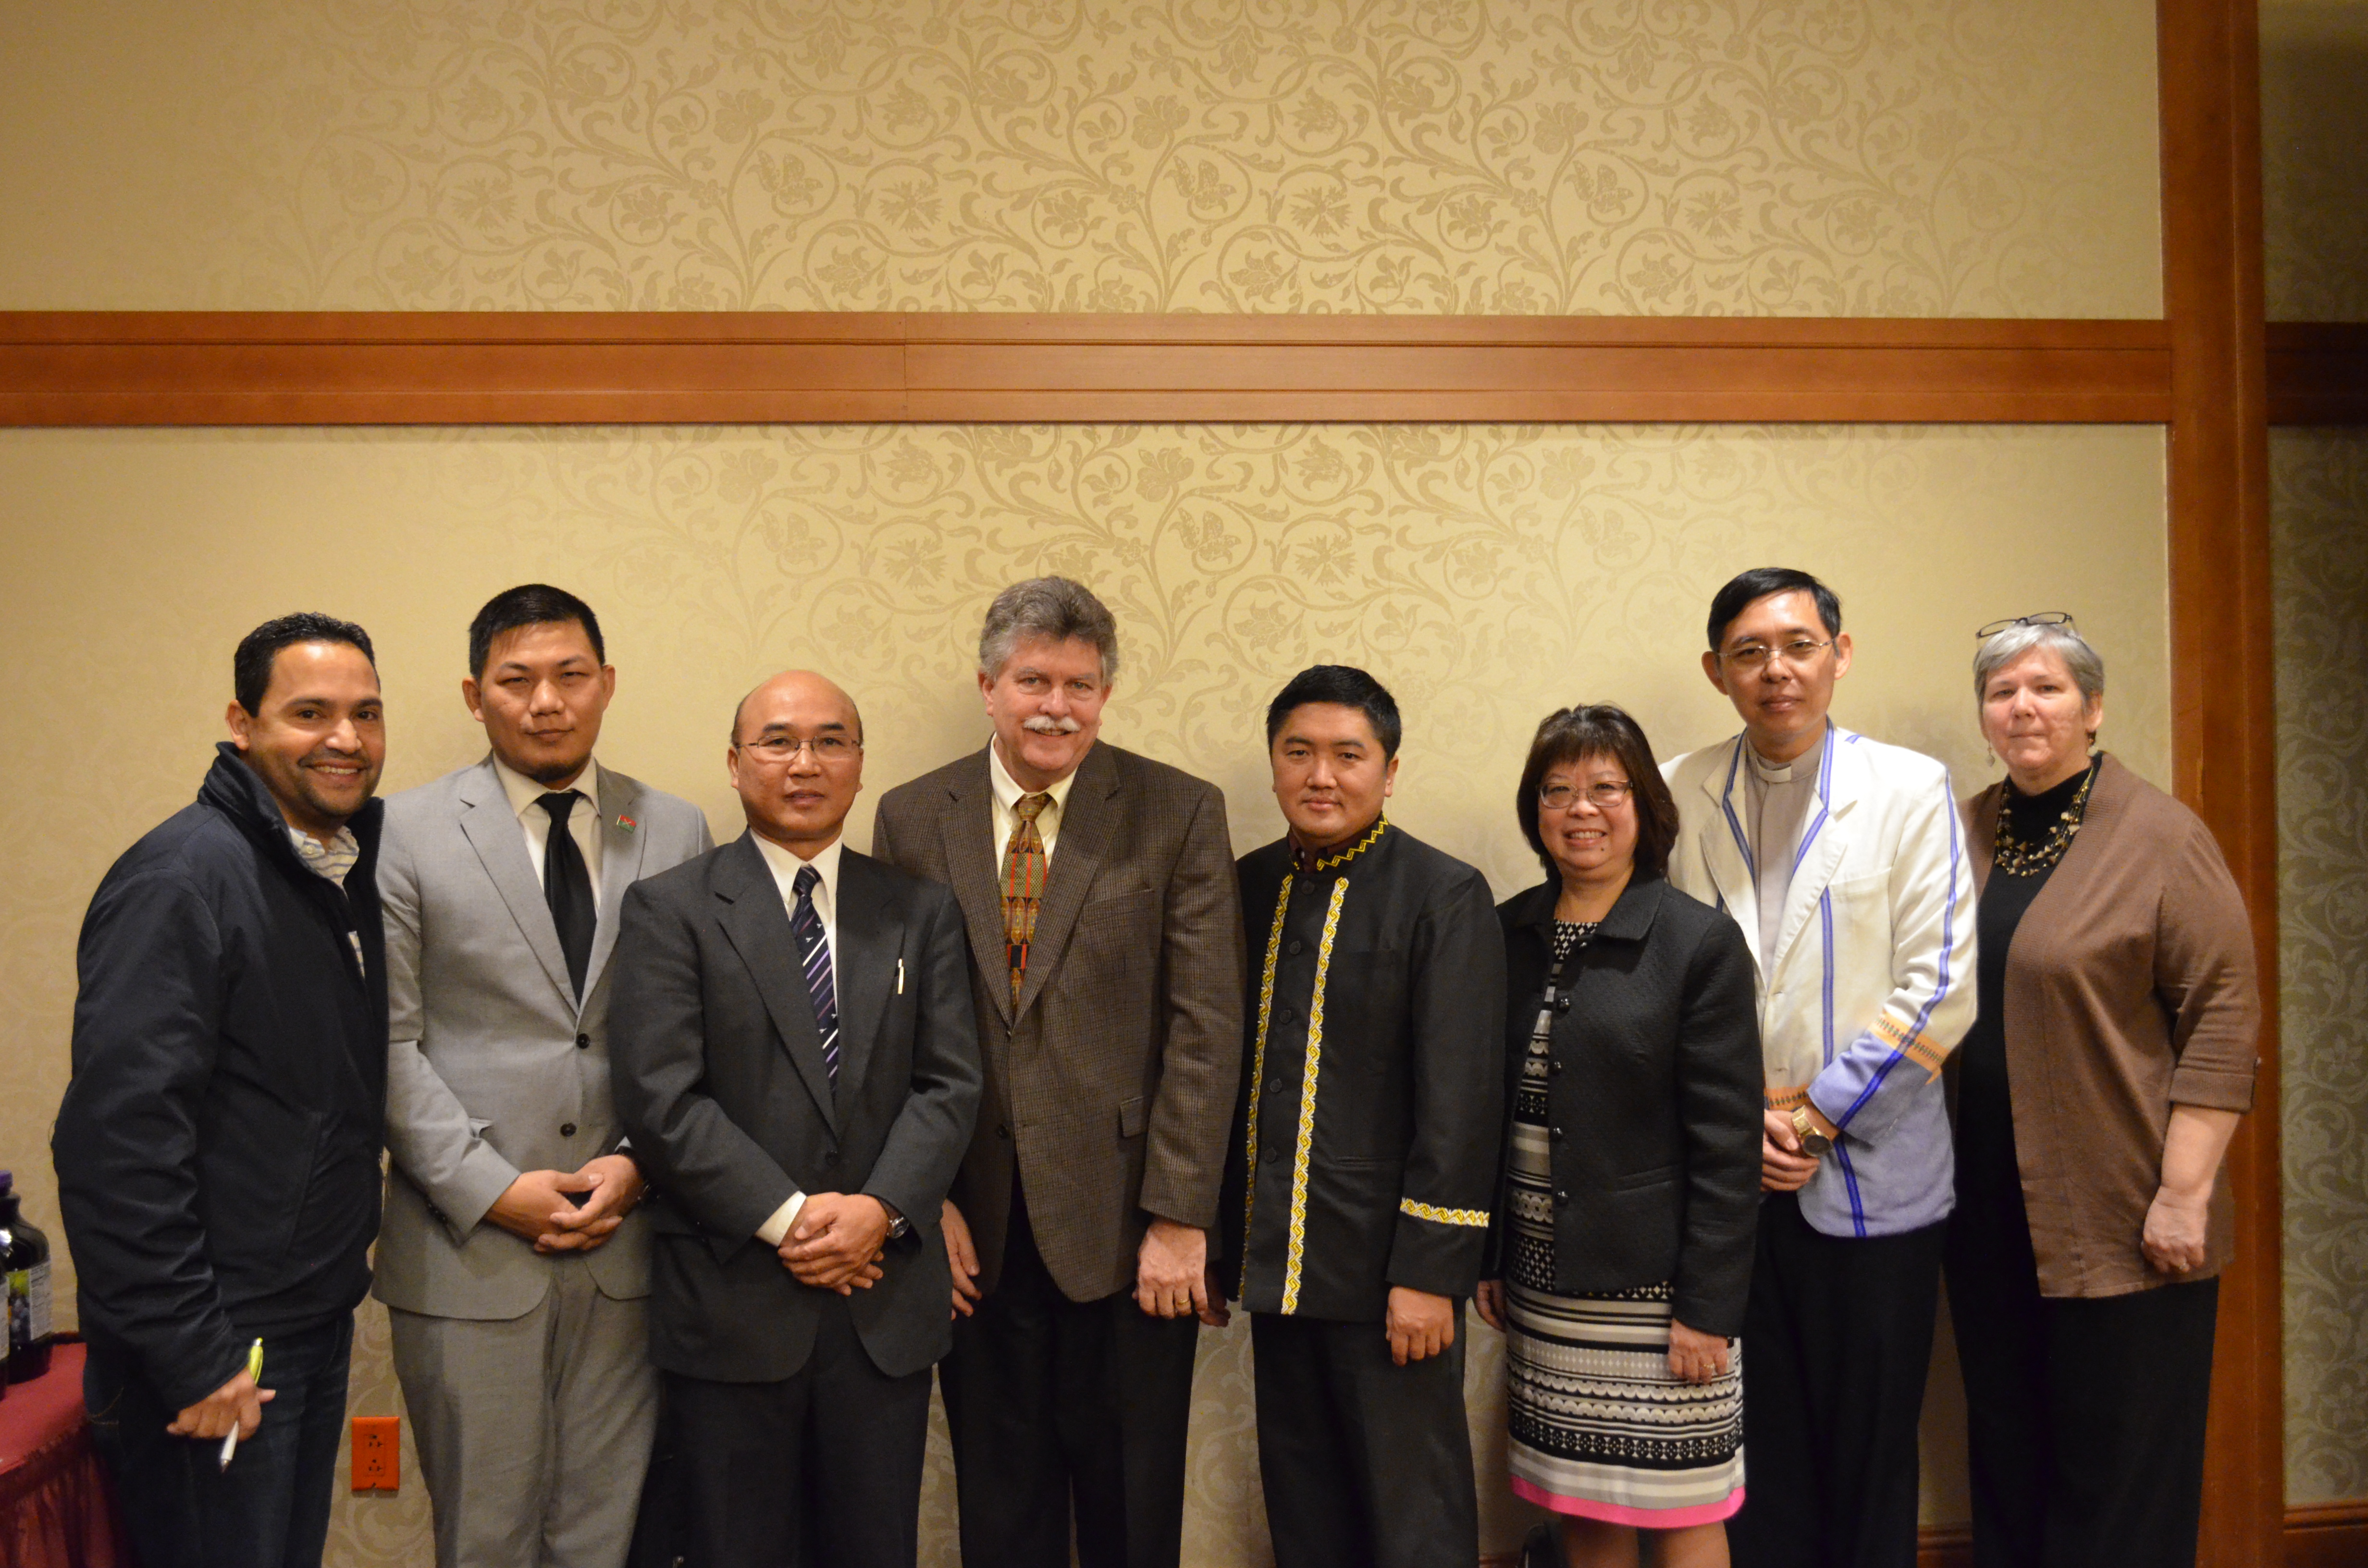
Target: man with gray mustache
x=1105, y=935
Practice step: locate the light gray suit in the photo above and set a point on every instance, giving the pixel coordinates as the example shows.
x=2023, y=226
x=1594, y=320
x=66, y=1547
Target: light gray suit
x=527, y=1376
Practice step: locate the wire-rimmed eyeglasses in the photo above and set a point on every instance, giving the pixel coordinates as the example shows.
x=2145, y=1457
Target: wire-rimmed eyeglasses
x=2044, y=618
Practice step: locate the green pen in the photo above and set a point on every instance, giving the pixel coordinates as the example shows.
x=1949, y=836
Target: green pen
x=254, y=1375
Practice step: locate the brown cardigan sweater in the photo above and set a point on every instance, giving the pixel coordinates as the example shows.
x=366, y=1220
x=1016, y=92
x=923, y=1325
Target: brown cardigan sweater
x=2129, y=988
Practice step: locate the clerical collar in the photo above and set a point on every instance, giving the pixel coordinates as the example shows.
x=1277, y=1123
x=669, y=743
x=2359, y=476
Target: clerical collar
x=1307, y=862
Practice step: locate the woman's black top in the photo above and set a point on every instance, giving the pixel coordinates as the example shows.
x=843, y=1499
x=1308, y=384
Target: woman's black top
x=1989, y=1182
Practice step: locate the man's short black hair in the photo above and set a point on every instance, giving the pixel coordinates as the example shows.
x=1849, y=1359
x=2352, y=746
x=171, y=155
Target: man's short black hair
x=250, y=667
x=1762, y=581
x=528, y=604
x=1346, y=686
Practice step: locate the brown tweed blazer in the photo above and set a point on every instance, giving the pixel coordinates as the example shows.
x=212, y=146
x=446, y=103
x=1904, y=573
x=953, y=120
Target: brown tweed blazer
x=1110, y=1089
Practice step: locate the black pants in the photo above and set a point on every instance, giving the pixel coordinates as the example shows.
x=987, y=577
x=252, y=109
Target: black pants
x=1366, y=1464
x=270, y=1508
x=822, y=1470
x=1057, y=1404
x=2084, y=1418
x=1840, y=1330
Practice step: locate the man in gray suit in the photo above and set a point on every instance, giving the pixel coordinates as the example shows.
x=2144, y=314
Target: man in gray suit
x=1106, y=936
x=512, y=1266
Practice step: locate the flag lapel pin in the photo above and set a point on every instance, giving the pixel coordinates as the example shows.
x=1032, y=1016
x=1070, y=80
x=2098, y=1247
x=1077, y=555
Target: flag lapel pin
x=627, y=823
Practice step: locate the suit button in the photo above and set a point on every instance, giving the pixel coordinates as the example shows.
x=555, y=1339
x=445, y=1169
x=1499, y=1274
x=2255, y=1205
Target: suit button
x=1003, y=1129
x=1285, y=1013
x=1273, y=1153
x=1557, y=1135
x=1554, y=1067
x=1296, y=948
x=1562, y=1196
x=567, y=1129
x=584, y=1042
x=1562, y=1004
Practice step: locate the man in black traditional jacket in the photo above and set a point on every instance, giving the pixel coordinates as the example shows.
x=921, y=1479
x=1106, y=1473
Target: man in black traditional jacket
x=1364, y=1148
x=218, y=1147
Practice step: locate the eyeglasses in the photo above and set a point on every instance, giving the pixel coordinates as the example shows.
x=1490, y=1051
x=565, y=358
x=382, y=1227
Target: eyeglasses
x=2044, y=618
x=1752, y=655
x=1603, y=794
x=779, y=749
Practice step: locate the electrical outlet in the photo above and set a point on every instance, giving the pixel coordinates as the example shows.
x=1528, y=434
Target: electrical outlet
x=378, y=1447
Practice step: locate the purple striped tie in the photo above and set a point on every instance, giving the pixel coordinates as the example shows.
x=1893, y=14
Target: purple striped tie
x=814, y=957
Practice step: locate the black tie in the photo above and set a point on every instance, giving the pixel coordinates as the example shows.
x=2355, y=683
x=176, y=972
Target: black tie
x=567, y=888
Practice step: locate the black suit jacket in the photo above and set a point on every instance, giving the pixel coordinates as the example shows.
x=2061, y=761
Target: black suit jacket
x=1654, y=1103
x=721, y=1084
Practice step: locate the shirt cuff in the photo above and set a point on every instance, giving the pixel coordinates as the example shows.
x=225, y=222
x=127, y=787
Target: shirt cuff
x=772, y=1232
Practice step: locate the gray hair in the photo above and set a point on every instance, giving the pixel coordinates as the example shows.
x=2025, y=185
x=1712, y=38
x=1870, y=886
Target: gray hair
x=2003, y=648
x=1051, y=609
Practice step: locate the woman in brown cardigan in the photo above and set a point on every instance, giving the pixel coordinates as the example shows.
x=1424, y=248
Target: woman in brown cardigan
x=2096, y=1093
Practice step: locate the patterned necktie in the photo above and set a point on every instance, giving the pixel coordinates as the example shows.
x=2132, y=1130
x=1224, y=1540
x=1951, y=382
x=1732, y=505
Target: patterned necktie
x=1023, y=886
x=567, y=888
x=814, y=957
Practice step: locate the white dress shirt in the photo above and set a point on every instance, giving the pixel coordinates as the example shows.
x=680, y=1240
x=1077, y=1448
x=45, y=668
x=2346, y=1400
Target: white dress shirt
x=785, y=867
x=1005, y=792
x=582, y=822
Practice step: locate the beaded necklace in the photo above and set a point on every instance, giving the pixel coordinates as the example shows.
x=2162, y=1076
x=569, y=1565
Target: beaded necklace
x=2017, y=859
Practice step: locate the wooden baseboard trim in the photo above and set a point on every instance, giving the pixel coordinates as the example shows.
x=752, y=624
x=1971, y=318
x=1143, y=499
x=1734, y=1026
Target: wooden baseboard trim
x=198, y=368
x=2319, y=372
x=2323, y=1535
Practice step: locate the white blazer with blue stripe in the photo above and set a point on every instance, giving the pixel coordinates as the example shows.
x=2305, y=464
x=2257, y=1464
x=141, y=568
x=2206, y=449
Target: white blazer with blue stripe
x=1872, y=982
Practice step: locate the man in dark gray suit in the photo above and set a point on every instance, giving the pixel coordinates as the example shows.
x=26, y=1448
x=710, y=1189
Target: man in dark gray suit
x=1105, y=924
x=513, y=1268
x=797, y=1064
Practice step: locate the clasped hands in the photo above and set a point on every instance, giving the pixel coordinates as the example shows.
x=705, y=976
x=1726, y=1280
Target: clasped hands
x=837, y=1242
x=535, y=1207
x=1785, y=1166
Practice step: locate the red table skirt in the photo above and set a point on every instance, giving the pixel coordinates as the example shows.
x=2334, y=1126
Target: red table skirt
x=56, y=1508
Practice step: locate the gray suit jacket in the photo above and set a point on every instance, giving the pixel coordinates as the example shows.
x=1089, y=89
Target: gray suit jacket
x=723, y=1084
x=1109, y=1088
x=491, y=1067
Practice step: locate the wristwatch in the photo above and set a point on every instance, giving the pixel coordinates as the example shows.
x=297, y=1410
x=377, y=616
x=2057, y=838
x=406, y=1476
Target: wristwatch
x=898, y=1226
x=1811, y=1141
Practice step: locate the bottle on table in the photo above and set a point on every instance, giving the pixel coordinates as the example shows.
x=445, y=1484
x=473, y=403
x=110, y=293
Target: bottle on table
x=30, y=1323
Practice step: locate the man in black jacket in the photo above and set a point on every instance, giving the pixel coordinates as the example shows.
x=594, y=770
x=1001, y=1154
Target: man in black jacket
x=218, y=1148
x=1364, y=1154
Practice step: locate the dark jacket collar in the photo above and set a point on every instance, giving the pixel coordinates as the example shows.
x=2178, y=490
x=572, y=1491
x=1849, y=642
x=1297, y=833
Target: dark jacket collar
x=1331, y=861
x=238, y=793
x=1631, y=920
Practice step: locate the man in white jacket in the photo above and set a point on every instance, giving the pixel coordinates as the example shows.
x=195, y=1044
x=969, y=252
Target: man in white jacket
x=1843, y=860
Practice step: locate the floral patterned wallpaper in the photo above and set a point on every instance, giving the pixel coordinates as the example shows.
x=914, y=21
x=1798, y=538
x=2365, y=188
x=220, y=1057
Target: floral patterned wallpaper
x=2314, y=181
x=2320, y=516
x=1485, y=573
x=1893, y=157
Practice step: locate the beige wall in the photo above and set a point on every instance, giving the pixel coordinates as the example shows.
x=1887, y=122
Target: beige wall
x=2315, y=211
x=1488, y=573
x=1895, y=157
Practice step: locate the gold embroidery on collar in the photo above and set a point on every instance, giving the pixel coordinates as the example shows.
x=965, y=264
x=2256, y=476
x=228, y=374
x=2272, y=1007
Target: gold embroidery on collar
x=1477, y=1218
x=1257, y=1076
x=1307, y=1090
x=1326, y=862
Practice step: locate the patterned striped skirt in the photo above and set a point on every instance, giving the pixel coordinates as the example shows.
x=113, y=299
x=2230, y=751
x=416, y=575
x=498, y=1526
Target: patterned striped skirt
x=1600, y=1426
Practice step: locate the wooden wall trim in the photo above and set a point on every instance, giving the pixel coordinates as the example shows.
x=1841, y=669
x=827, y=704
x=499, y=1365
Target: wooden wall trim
x=2319, y=372
x=2223, y=718
x=197, y=368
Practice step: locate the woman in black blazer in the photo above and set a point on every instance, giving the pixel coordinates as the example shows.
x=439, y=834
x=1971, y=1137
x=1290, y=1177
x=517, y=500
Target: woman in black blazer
x=1620, y=1252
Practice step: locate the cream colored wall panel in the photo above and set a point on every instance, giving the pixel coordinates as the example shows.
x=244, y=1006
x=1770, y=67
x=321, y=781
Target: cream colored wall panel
x=1488, y=573
x=2314, y=176
x=1902, y=157
x=2320, y=517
